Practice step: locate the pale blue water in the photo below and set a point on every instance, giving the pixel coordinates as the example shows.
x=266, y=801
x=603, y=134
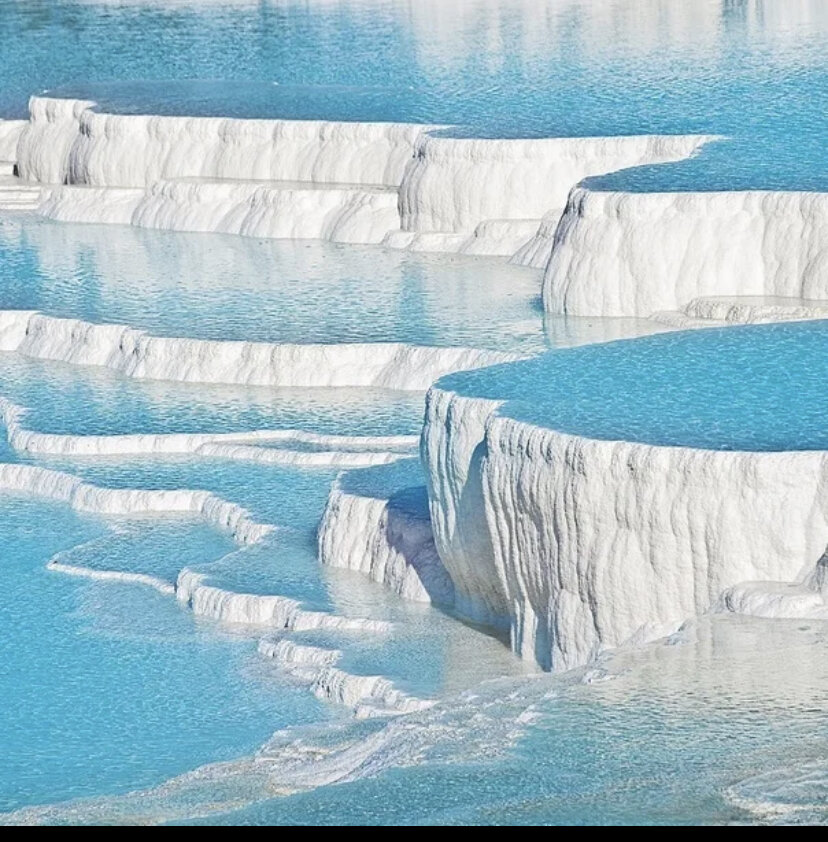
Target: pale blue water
x=285, y=497
x=107, y=687
x=753, y=71
x=740, y=730
x=226, y=287
x=75, y=399
x=757, y=387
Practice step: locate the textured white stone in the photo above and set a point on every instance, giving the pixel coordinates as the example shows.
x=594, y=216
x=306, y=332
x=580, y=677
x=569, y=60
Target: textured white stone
x=279, y=211
x=452, y=451
x=537, y=251
x=112, y=205
x=453, y=184
x=289, y=654
x=727, y=310
x=583, y=545
x=10, y=131
x=261, y=610
x=67, y=140
x=492, y=237
x=65, y=488
x=45, y=145
x=366, y=695
x=389, y=545
x=134, y=353
x=805, y=599
x=397, y=184
x=632, y=254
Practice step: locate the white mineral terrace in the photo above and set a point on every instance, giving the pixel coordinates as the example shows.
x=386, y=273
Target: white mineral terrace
x=402, y=185
x=578, y=545
x=134, y=353
x=574, y=545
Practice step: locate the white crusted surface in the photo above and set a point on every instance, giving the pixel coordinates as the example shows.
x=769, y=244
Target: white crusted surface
x=55, y=485
x=68, y=141
x=585, y=545
x=451, y=453
x=316, y=179
x=113, y=205
x=340, y=214
x=633, y=254
x=734, y=309
x=10, y=131
x=454, y=184
x=388, y=544
x=134, y=353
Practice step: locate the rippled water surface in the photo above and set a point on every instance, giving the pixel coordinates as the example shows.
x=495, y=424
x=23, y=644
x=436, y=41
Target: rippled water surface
x=107, y=686
x=759, y=387
x=752, y=70
x=215, y=286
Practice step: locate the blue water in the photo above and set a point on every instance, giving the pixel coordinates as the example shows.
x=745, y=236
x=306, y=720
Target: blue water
x=107, y=687
x=757, y=387
x=285, y=497
x=85, y=400
x=157, y=547
x=740, y=727
x=226, y=287
x=753, y=71
x=737, y=706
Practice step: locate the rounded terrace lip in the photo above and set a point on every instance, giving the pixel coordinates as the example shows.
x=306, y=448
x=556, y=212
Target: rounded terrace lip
x=748, y=388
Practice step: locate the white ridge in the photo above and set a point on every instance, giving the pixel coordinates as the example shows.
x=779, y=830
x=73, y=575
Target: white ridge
x=390, y=546
x=56, y=485
x=246, y=446
x=367, y=696
x=290, y=654
x=633, y=254
x=112, y=576
x=383, y=448
x=723, y=310
x=265, y=610
x=403, y=185
x=134, y=353
x=204, y=600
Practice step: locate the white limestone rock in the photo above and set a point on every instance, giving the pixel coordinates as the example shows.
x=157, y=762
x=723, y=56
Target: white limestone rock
x=633, y=254
x=134, y=353
x=385, y=535
x=582, y=545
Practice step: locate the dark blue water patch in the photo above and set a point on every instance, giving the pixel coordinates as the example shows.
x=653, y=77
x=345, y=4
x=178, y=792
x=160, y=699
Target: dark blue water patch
x=751, y=388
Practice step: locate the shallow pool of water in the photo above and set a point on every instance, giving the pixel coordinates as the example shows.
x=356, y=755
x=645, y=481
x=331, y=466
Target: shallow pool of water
x=757, y=387
x=752, y=71
x=223, y=287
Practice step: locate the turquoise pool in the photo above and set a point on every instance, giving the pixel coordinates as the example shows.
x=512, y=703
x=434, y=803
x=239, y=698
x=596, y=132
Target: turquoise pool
x=757, y=387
